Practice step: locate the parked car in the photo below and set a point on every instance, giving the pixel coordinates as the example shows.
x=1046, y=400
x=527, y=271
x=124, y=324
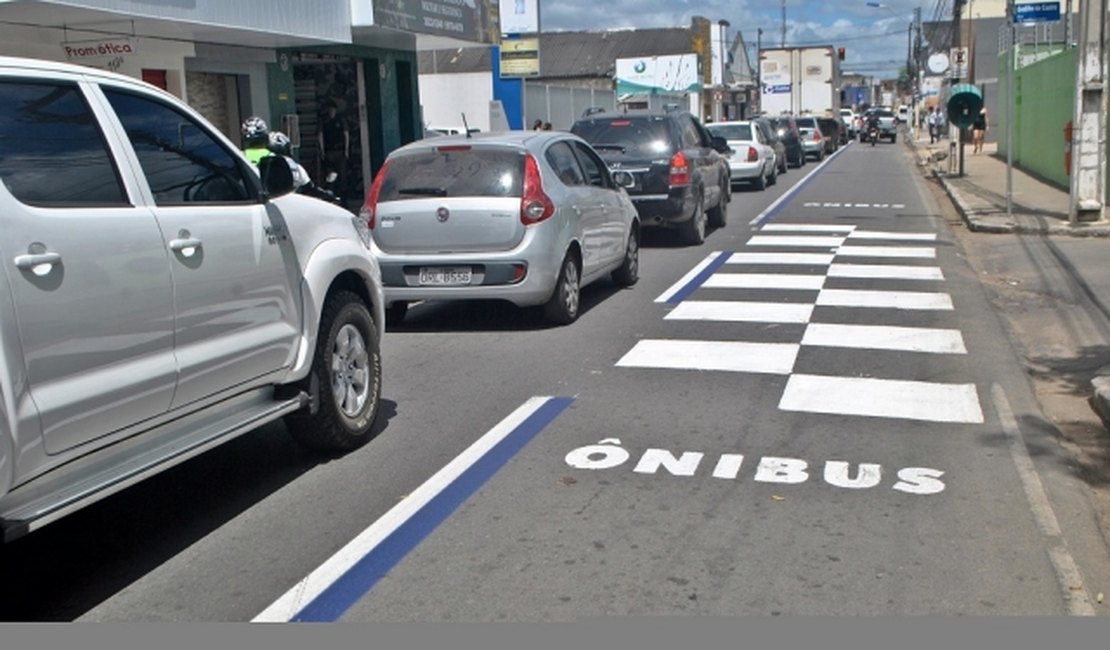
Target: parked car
x=848, y=119
x=753, y=158
x=680, y=171
x=813, y=139
x=834, y=132
x=162, y=295
x=787, y=130
x=772, y=137
x=524, y=216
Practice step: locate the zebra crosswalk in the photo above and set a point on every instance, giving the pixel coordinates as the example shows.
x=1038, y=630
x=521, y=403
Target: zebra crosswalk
x=795, y=245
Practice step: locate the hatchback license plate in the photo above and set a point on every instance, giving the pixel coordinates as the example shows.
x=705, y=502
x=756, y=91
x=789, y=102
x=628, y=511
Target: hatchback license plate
x=450, y=276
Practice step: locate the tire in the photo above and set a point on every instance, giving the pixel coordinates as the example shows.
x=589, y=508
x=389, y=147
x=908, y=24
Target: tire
x=783, y=165
x=693, y=230
x=774, y=176
x=893, y=137
x=628, y=273
x=395, y=313
x=760, y=182
x=346, y=376
x=562, y=306
x=718, y=215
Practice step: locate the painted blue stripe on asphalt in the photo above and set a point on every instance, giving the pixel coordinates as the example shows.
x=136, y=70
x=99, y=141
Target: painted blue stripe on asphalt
x=789, y=196
x=699, y=279
x=365, y=574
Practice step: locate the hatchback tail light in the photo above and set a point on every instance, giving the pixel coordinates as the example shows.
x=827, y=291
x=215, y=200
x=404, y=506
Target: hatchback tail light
x=680, y=170
x=753, y=155
x=369, y=210
x=816, y=136
x=535, y=206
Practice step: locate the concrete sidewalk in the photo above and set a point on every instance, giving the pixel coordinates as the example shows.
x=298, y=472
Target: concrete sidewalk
x=1036, y=208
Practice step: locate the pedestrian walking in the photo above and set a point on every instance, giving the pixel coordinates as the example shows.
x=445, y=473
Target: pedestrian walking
x=334, y=140
x=931, y=122
x=979, y=131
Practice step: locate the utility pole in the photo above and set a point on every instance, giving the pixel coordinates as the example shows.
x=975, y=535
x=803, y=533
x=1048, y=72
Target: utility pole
x=1088, y=159
x=957, y=7
x=759, y=65
x=918, y=72
x=783, y=24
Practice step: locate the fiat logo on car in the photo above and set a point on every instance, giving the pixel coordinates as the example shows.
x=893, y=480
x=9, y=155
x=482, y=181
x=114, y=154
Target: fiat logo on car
x=443, y=214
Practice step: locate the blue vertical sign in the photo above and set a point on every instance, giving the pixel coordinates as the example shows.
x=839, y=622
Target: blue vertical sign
x=509, y=91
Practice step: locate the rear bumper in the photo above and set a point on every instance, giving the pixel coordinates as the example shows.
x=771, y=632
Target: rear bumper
x=539, y=255
x=665, y=209
x=743, y=172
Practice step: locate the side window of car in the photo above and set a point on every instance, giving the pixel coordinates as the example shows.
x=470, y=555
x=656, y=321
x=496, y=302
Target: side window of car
x=182, y=162
x=597, y=174
x=691, y=139
x=53, y=152
x=564, y=162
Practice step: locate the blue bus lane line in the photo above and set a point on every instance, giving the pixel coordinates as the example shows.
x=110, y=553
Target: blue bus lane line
x=337, y=584
x=693, y=280
x=775, y=208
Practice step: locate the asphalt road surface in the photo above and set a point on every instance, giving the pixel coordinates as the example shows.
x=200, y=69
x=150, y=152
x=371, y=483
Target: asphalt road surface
x=816, y=412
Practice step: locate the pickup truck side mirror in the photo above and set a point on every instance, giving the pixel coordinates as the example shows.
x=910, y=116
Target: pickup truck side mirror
x=277, y=177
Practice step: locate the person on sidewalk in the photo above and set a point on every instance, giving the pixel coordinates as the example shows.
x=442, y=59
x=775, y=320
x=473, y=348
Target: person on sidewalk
x=931, y=122
x=979, y=131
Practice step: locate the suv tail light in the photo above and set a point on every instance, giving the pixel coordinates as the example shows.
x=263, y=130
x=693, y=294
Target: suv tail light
x=816, y=136
x=753, y=155
x=369, y=210
x=535, y=206
x=680, y=170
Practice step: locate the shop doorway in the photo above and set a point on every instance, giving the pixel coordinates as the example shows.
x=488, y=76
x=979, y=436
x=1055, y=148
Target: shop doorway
x=331, y=133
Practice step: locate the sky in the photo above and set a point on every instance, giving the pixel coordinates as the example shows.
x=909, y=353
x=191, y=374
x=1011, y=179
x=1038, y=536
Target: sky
x=876, y=39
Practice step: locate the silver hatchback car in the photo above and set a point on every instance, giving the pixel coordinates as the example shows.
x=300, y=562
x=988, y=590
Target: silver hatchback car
x=525, y=216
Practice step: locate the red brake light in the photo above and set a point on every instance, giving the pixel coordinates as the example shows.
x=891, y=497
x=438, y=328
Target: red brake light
x=753, y=155
x=535, y=206
x=816, y=136
x=621, y=123
x=369, y=210
x=680, y=170
x=453, y=147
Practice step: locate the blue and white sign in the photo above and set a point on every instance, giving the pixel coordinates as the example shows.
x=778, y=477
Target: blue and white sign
x=1036, y=12
x=776, y=89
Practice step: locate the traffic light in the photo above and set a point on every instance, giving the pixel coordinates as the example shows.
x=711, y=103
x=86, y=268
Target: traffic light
x=840, y=53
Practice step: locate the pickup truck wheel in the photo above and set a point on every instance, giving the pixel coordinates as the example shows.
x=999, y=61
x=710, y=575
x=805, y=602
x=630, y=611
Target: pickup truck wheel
x=562, y=307
x=893, y=137
x=628, y=273
x=348, y=366
x=693, y=230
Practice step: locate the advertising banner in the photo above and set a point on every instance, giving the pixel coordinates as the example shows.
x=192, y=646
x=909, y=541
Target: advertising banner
x=674, y=74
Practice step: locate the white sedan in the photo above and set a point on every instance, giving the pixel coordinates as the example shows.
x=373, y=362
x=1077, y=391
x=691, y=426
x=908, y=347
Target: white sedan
x=753, y=158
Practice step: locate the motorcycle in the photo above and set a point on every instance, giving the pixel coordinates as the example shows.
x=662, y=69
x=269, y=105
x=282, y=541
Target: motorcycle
x=873, y=134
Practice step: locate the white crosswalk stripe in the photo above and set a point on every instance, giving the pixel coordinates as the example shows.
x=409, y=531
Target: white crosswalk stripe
x=911, y=400
x=811, y=393
x=733, y=356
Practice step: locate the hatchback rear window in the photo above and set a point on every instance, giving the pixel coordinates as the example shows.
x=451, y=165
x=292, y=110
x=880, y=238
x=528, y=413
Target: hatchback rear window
x=731, y=131
x=454, y=171
x=634, y=136
x=806, y=122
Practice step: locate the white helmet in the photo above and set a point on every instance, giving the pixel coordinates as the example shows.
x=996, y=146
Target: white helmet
x=255, y=131
x=280, y=144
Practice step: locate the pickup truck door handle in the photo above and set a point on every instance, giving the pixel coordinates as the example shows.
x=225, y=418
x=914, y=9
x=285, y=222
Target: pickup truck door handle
x=30, y=261
x=186, y=246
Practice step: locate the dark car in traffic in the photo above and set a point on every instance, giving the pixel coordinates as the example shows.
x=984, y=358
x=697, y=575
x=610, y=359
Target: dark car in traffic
x=787, y=130
x=681, y=172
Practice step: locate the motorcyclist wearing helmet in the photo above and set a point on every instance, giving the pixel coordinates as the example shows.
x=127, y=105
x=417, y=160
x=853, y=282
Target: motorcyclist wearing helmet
x=280, y=145
x=256, y=139
x=872, y=124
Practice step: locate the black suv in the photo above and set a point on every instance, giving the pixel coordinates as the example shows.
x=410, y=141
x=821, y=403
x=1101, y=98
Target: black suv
x=681, y=172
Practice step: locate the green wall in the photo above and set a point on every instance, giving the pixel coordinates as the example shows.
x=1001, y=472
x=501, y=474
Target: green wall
x=1044, y=104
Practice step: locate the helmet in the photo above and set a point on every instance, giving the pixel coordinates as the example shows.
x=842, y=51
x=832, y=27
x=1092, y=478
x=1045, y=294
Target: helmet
x=255, y=131
x=280, y=144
